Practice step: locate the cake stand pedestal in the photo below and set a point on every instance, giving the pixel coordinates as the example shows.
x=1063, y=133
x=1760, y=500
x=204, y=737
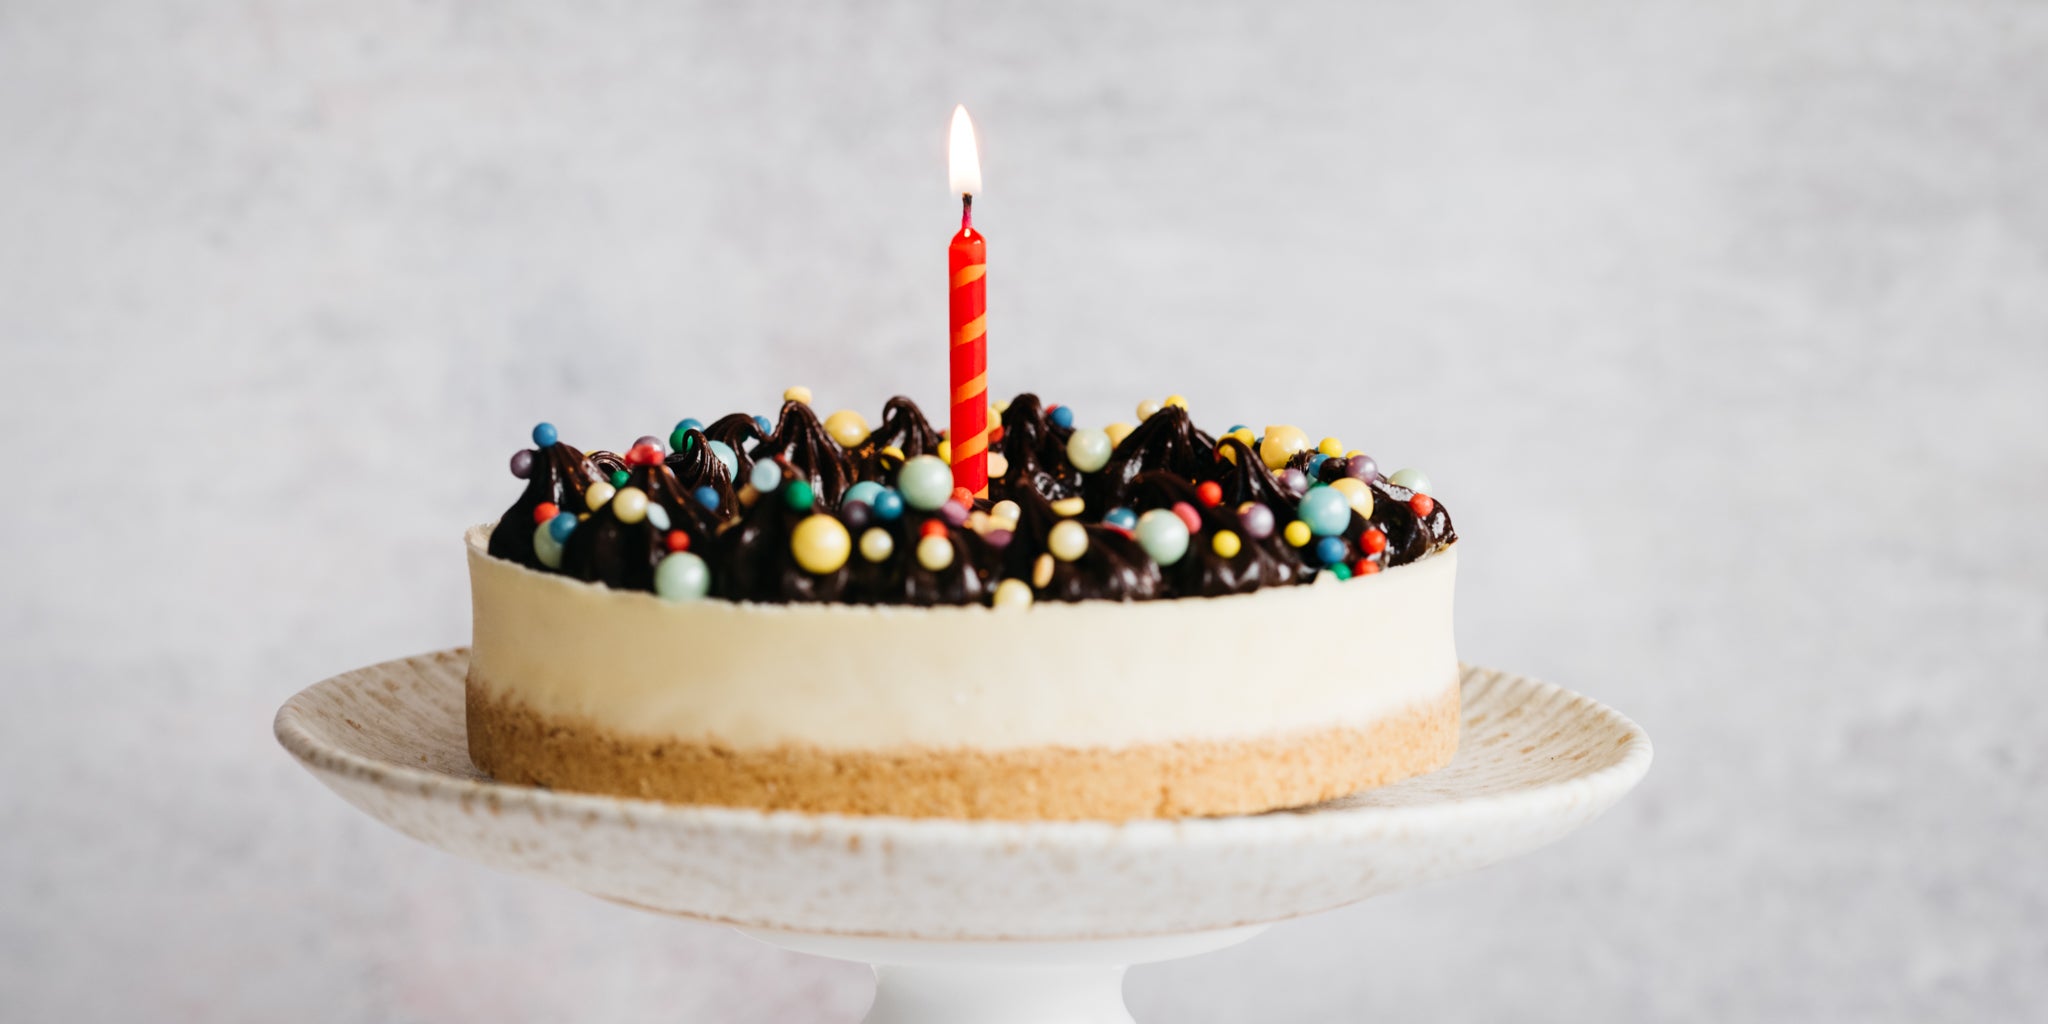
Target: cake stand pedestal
x=972, y=922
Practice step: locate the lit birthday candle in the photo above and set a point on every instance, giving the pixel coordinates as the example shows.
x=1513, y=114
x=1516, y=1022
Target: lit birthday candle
x=967, y=264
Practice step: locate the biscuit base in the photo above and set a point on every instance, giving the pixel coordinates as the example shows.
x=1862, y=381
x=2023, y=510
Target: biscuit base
x=514, y=743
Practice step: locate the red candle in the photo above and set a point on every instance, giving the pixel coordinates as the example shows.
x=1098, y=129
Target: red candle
x=967, y=266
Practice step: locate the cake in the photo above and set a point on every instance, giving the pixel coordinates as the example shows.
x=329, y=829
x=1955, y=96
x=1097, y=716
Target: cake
x=1134, y=622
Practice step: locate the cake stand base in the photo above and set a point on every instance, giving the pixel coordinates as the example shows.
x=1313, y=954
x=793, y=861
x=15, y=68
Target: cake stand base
x=974, y=922
x=1003, y=982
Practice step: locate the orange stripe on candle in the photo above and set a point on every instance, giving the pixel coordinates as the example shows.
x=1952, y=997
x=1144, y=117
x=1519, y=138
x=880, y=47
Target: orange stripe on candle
x=970, y=446
x=971, y=330
x=969, y=389
x=972, y=272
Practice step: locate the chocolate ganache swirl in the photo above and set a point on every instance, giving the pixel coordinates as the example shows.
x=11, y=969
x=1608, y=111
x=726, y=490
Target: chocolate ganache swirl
x=799, y=516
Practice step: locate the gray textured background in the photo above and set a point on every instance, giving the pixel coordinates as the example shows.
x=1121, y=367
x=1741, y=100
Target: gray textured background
x=1723, y=329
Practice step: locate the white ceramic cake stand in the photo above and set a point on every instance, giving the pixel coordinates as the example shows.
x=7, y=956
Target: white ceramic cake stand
x=974, y=922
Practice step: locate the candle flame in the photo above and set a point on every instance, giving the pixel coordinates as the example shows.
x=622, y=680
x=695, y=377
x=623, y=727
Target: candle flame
x=963, y=161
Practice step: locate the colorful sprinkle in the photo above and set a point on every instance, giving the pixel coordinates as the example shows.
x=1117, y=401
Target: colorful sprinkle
x=999, y=538
x=1209, y=493
x=595, y=495
x=1326, y=511
x=847, y=427
x=820, y=543
x=706, y=496
x=724, y=454
x=799, y=393
x=862, y=493
x=926, y=482
x=1067, y=541
x=1331, y=551
x=892, y=452
x=1356, y=492
x=545, y=434
x=1006, y=510
x=1366, y=568
x=1121, y=518
x=1256, y=519
x=1146, y=409
x=679, y=438
x=1341, y=571
x=856, y=514
x=546, y=547
x=888, y=505
x=953, y=512
x=1163, y=535
x=545, y=511
x=677, y=540
x=1362, y=467
x=798, y=495
x=932, y=528
x=1041, y=571
x=1422, y=504
x=1298, y=534
x=522, y=463
x=945, y=450
x=630, y=505
x=619, y=477
x=998, y=464
x=765, y=476
x=1061, y=416
x=1331, y=446
x=1089, y=449
x=657, y=515
x=935, y=553
x=1280, y=444
x=645, y=452
x=681, y=576
x=877, y=544
x=1188, y=515
x=1225, y=544
x=1294, y=482
x=561, y=526
x=1118, y=431
x=1373, y=541
x=1177, y=401
x=1413, y=479
x=1073, y=506
x=1012, y=593
x=764, y=424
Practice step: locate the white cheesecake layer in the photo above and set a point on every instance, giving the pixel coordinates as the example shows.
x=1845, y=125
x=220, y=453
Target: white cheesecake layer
x=1096, y=674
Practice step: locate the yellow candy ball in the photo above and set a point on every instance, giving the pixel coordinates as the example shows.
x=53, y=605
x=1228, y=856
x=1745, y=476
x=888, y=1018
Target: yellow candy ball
x=997, y=465
x=820, y=544
x=1176, y=400
x=1070, y=506
x=595, y=495
x=1146, y=408
x=1067, y=541
x=1012, y=594
x=1041, y=571
x=847, y=427
x=945, y=452
x=893, y=452
x=876, y=545
x=999, y=407
x=1226, y=544
x=798, y=393
x=1331, y=447
x=1298, y=533
x=1118, y=431
x=630, y=504
x=1005, y=509
x=1359, y=494
x=935, y=553
x=1280, y=445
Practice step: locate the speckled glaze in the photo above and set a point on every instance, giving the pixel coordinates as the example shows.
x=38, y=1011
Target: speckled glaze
x=1535, y=762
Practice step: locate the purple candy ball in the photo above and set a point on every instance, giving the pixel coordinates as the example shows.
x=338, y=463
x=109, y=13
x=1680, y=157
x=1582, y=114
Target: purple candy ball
x=648, y=439
x=954, y=512
x=997, y=539
x=522, y=463
x=1257, y=522
x=1294, y=481
x=1362, y=467
x=856, y=515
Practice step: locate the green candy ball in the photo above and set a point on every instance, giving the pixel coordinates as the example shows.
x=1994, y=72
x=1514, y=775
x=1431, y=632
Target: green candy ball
x=682, y=576
x=1163, y=535
x=798, y=494
x=1089, y=449
x=926, y=482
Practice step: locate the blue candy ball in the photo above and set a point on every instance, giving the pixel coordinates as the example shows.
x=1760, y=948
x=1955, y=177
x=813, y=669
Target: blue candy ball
x=561, y=526
x=926, y=482
x=888, y=505
x=766, y=476
x=1062, y=416
x=723, y=453
x=766, y=426
x=544, y=434
x=1121, y=517
x=1330, y=550
x=1326, y=510
x=657, y=516
x=1315, y=466
x=862, y=493
x=707, y=495
x=1234, y=428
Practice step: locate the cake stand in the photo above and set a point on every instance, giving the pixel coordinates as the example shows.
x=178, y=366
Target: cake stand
x=974, y=922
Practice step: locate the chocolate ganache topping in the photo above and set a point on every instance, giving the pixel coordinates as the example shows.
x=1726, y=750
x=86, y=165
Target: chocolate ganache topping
x=793, y=511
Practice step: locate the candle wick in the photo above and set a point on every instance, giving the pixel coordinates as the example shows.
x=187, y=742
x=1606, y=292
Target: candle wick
x=966, y=212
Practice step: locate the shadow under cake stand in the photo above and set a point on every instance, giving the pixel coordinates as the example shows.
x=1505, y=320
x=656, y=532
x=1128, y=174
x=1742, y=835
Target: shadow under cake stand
x=974, y=922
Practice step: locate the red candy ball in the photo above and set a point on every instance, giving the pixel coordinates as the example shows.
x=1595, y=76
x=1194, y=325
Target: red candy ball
x=1210, y=492
x=964, y=496
x=643, y=455
x=932, y=528
x=1423, y=504
x=678, y=540
x=1366, y=568
x=1188, y=515
x=545, y=511
x=1373, y=541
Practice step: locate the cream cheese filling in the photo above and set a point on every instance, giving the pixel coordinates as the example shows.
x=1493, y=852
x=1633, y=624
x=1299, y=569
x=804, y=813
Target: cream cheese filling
x=1092, y=674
